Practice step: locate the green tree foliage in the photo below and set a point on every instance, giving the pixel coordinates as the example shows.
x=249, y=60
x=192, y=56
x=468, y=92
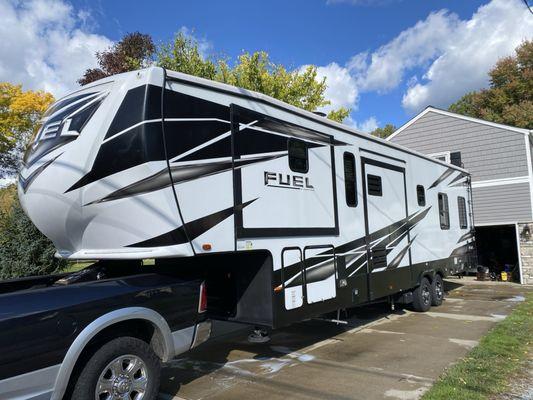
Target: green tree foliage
x=299, y=87
x=509, y=99
x=384, y=132
x=134, y=51
x=24, y=251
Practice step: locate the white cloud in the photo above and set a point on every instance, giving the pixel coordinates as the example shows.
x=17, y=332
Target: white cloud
x=474, y=46
x=366, y=126
x=46, y=45
x=454, y=55
x=341, y=88
x=384, y=69
x=204, y=46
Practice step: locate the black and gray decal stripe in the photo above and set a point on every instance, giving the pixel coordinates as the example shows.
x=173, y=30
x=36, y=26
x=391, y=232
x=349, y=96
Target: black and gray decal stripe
x=26, y=182
x=399, y=230
x=461, y=250
x=468, y=235
x=192, y=229
x=180, y=174
x=461, y=175
x=442, y=178
x=395, y=262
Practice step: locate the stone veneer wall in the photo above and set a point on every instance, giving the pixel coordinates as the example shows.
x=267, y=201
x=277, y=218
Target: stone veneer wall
x=526, y=253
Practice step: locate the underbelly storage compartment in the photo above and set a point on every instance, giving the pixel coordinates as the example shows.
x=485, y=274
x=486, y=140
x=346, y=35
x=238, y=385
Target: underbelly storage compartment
x=239, y=285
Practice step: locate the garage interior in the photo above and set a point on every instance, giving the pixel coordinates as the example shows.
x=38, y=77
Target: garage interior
x=497, y=249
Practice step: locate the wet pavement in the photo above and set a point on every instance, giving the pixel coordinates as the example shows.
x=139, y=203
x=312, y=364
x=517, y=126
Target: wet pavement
x=379, y=355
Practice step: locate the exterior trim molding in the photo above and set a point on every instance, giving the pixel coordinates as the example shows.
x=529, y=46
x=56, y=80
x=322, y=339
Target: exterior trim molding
x=91, y=330
x=501, y=181
x=529, y=156
x=428, y=109
x=519, y=255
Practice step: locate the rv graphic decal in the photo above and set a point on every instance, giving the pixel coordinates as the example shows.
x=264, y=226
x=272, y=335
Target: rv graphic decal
x=442, y=178
x=287, y=181
x=322, y=269
x=61, y=124
x=191, y=230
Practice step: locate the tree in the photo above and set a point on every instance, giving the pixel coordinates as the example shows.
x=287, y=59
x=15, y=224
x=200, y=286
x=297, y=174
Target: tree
x=509, y=99
x=19, y=113
x=255, y=71
x=134, y=51
x=384, y=132
x=24, y=251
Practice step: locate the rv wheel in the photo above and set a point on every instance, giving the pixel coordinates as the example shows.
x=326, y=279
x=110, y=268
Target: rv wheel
x=422, y=296
x=437, y=291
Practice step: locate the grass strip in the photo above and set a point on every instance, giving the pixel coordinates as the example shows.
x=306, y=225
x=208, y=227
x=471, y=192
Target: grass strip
x=487, y=370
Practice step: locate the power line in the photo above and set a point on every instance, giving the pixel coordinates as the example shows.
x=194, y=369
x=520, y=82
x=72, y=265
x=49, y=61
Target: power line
x=528, y=7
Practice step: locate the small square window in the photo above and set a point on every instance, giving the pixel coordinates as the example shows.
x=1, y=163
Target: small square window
x=421, y=195
x=298, y=156
x=374, y=185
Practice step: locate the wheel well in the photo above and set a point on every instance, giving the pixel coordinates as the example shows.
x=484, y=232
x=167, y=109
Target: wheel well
x=138, y=328
x=427, y=275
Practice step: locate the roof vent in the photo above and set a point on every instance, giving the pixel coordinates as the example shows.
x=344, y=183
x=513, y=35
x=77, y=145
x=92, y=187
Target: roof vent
x=320, y=113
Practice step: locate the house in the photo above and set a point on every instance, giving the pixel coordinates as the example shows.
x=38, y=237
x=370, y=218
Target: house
x=499, y=159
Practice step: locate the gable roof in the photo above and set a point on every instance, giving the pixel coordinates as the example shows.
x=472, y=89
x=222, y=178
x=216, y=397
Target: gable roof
x=429, y=109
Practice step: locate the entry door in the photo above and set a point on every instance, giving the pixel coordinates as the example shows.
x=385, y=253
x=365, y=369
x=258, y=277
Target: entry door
x=387, y=228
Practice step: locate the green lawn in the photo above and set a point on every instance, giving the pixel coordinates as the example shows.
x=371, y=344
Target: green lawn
x=488, y=368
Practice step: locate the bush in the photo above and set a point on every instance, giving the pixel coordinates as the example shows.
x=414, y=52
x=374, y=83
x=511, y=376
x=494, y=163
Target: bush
x=24, y=250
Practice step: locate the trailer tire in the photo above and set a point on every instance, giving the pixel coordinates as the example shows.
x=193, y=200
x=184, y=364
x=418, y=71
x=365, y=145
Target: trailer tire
x=123, y=367
x=437, y=291
x=422, y=296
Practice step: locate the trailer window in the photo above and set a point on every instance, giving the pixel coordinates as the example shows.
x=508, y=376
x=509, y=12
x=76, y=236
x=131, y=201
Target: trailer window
x=461, y=206
x=421, y=195
x=298, y=156
x=350, y=185
x=444, y=211
x=374, y=185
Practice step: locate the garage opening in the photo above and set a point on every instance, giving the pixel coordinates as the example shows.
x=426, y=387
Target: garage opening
x=239, y=285
x=497, y=250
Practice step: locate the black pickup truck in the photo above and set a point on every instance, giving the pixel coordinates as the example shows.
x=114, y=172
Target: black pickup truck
x=100, y=333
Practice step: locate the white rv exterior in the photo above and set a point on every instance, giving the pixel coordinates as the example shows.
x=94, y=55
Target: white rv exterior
x=124, y=170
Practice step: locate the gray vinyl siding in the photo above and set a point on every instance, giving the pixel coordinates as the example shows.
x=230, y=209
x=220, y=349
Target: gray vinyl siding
x=487, y=152
x=502, y=204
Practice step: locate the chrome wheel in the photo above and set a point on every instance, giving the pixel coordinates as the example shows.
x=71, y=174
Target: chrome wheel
x=426, y=295
x=124, y=378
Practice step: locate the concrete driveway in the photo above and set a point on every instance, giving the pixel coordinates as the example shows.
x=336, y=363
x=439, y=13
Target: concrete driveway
x=379, y=355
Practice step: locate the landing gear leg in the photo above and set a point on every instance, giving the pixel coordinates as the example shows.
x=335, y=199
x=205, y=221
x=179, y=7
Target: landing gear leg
x=259, y=335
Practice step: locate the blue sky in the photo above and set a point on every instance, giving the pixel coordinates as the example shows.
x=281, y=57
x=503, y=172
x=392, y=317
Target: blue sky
x=385, y=59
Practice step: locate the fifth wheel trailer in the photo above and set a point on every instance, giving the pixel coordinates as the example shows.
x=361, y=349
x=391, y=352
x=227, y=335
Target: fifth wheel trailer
x=285, y=214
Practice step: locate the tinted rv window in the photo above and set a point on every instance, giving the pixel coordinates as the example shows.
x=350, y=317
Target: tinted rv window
x=374, y=185
x=444, y=211
x=350, y=180
x=421, y=195
x=298, y=157
x=461, y=206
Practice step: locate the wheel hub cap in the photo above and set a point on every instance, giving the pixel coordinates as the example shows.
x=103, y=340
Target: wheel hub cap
x=126, y=377
x=122, y=384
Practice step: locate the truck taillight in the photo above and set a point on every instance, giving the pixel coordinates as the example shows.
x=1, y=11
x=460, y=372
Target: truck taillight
x=202, y=305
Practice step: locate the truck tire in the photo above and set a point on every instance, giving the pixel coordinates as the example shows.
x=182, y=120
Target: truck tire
x=437, y=291
x=120, y=369
x=422, y=296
